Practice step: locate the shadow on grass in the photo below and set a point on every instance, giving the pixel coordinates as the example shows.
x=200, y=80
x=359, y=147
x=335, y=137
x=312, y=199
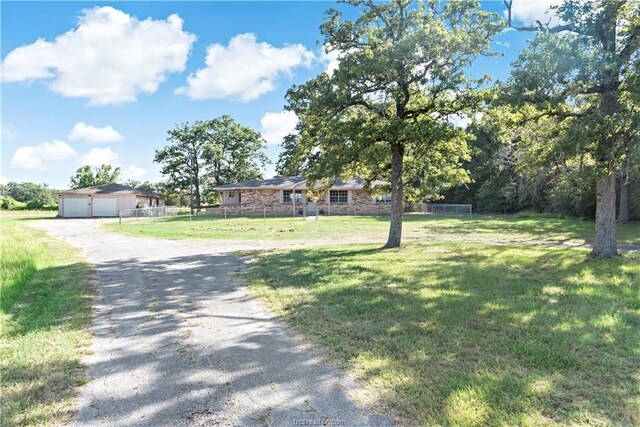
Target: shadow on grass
x=463, y=334
x=163, y=356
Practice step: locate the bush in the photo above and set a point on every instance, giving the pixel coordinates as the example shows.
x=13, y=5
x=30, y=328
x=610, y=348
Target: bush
x=574, y=193
x=498, y=194
x=9, y=203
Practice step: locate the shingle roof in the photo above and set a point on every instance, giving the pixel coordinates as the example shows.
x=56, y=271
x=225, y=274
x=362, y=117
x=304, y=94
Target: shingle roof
x=283, y=183
x=110, y=189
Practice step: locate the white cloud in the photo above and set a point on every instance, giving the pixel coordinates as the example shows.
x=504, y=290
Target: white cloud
x=109, y=58
x=7, y=131
x=529, y=11
x=99, y=156
x=94, y=135
x=245, y=69
x=275, y=126
x=4, y=180
x=331, y=60
x=33, y=157
x=134, y=171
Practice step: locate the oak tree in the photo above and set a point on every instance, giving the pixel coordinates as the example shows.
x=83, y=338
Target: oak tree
x=584, y=71
x=385, y=113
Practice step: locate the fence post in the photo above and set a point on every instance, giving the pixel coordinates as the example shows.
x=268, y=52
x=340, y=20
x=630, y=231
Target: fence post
x=225, y=213
x=264, y=214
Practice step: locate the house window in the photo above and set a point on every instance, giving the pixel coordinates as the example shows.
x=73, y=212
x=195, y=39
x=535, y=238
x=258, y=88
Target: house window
x=338, y=196
x=288, y=194
x=384, y=199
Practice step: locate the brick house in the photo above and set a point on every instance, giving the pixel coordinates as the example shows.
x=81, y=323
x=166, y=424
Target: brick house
x=290, y=196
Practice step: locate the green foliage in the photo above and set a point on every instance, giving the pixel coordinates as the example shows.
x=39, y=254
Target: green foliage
x=498, y=194
x=384, y=113
x=9, y=203
x=86, y=176
x=573, y=193
x=18, y=195
x=209, y=153
x=149, y=186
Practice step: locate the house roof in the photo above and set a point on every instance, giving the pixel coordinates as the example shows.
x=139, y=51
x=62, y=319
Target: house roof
x=297, y=182
x=117, y=189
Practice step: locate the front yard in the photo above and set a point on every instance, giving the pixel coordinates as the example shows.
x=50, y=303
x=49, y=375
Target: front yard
x=470, y=334
x=372, y=228
x=44, y=320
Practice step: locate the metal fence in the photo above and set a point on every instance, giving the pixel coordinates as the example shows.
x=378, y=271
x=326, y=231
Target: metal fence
x=448, y=209
x=150, y=212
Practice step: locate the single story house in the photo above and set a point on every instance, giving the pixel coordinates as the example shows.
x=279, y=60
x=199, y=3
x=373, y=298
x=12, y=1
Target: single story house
x=291, y=196
x=104, y=201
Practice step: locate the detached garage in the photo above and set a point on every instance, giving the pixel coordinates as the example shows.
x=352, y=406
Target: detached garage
x=104, y=201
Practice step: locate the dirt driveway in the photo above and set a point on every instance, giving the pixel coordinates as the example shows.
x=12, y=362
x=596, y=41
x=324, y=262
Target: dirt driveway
x=179, y=342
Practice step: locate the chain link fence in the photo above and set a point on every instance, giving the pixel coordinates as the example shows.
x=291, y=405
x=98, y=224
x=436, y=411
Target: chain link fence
x=450, y=209
x=149, y=212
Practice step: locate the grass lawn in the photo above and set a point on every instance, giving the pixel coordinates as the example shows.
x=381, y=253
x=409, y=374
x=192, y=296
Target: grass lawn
x=471, y=334
x=343, y=228
x=44, y=317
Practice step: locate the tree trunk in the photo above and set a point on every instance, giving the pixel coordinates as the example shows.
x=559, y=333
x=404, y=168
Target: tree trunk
x=623, y=209
x=397, y=197
x=197, y=193
x=605, y=244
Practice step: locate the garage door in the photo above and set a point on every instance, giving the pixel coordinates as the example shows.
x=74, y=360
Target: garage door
x=105, y=206
x=75, y=207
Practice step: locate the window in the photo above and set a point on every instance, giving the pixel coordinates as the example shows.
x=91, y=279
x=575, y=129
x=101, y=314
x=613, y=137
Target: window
x=384, y=199
x=338, y=196
x=286, y=196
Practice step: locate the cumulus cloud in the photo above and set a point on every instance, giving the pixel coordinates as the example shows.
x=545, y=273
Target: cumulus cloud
x=34, y=157
x=275, y=126
x=134, y=171
x=99, y=156
x=109, y=58
x=529, y=11
x=4, y=180
x=331, y=60
x=94, y=135
x=245, y=69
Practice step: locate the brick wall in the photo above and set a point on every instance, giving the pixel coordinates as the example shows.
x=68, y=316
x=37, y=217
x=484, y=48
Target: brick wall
x=259, y=202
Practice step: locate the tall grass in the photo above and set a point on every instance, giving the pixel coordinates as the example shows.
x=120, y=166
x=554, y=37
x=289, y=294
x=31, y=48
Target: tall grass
x=45, y=293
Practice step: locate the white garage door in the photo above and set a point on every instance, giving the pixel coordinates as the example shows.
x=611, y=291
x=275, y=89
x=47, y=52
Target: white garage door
x=75, y=207
x=107, y=206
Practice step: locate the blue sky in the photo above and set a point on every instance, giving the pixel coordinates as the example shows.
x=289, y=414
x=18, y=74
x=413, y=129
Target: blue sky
x=94, y=82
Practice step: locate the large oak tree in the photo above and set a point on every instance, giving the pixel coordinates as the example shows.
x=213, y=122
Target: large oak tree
x=386, y=112
x=584, y=72
x=210, y=152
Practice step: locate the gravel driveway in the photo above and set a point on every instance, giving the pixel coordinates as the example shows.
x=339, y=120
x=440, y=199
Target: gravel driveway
x=179, y=342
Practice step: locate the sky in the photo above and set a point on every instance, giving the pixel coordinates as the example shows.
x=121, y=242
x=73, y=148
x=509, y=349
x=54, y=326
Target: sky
x=103, y=82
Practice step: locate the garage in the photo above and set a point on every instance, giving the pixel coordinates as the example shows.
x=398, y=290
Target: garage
x=76, y=207
x=105, y=206
x=107, y=200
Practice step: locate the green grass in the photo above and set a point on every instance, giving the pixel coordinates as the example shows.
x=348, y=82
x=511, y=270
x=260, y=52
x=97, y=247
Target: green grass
x=348, y=228
x=470, y=334
x=45, y=312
